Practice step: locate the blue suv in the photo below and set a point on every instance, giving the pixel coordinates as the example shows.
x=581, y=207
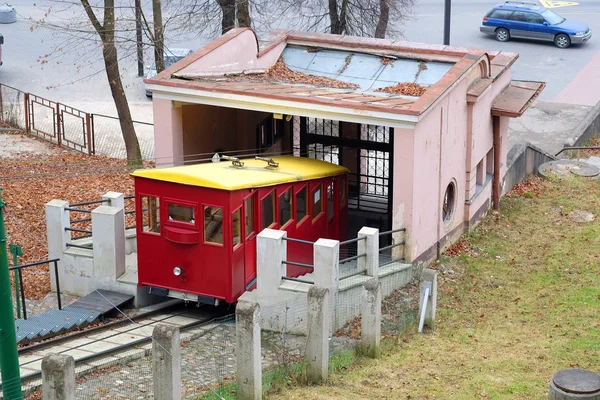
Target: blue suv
x=531, y=21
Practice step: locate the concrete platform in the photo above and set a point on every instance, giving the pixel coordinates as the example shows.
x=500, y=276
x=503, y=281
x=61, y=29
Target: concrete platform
x=551, y=126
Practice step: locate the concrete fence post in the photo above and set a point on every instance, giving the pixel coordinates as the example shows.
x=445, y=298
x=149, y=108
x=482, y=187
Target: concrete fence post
x=108, y=239
x=58, y=377
x=166, y=362
x=371, y=318
x=370, y=247
x=57, y=219
x=271, y=251
x=248, y=358
x=115, y=199
x=326, y=259
x=428, y=280
x=317, y=335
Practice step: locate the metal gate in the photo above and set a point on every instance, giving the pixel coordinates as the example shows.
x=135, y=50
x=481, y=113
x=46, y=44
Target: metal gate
x=367, y=151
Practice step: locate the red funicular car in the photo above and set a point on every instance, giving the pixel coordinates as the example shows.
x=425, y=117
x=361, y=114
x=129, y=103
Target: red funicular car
x=197, y=227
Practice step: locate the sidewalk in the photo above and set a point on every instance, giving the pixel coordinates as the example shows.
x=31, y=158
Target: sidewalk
x=584, y=89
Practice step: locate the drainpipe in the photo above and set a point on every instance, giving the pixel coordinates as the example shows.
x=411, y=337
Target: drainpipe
x=9, y=357
x=496, y=180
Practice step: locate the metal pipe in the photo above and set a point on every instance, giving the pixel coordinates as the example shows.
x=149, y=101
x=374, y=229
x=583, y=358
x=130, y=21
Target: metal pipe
x=75, y=221
x=57, y=284
x=22, y=294
x=78, y=210
x=9, y=356
x=285, y=278
x=392, y=231
x=353, y=240
x=356, y=257
x=423, y=310
x=447, y=15
x=496, y=179
x=79, y=246
x=298, y=240
x=34, y=264
x=578, y=148
x=77, y=230
x=87, y=203
x=391, y=246
x=297, y=264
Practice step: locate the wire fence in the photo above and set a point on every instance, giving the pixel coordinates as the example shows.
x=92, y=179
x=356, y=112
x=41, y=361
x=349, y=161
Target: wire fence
x=12, y=106
x=108, y=137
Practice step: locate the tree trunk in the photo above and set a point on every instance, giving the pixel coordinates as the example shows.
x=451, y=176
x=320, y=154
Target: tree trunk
x=111, y=62
x=343, y=18
x=106, y=32
x=243, y=13
x=159, y=39
x=228, y=15
x=333, y=18
x=384, y=18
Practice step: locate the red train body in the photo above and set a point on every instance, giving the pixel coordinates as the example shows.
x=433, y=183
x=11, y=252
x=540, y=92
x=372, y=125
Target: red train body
x=196, y=232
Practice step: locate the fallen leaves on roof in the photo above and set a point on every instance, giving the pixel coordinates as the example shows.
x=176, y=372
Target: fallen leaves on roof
x=281, y=72
x=406, y=88
x=30, y=181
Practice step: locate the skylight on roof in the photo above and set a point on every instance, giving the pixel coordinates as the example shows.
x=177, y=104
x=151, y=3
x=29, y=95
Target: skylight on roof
x=369, y=72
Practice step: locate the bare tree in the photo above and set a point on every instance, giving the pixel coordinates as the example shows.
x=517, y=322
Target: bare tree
x=243, y=13
x=159, y=37
x=348, y=17
x=106, y=31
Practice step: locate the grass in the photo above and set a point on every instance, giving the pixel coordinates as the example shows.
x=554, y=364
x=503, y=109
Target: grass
x=521, y=304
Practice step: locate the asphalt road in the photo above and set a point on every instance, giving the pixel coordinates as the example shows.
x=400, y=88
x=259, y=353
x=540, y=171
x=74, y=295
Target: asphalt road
x=67, y=66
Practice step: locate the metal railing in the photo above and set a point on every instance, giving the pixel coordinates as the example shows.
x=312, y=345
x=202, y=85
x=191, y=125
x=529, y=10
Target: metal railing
x=391, y=246
x=19, y=269
x=129, y=212
x=285, y=278
x=577, y=148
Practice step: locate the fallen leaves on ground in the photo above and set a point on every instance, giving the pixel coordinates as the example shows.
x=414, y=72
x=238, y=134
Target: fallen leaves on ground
x=534, y=186
x=29, y=182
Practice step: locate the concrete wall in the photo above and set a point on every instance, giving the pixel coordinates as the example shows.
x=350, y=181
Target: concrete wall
x=587, y=129
x=523, y=160
x=168, y=132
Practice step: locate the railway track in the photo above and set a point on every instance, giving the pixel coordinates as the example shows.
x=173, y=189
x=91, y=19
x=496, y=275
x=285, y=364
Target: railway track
x=117, y=342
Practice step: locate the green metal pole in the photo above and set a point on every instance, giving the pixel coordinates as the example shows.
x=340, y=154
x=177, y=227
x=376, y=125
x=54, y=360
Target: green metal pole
x=16, y=252
x=9, y=357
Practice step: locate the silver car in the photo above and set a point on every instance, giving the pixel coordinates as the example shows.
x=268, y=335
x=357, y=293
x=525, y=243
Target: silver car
x=171, y=57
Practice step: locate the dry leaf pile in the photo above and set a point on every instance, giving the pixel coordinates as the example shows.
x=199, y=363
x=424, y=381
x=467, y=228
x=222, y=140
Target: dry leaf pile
x=29, y=182
x=281, y=72
x=406, y=88
x=534, y=186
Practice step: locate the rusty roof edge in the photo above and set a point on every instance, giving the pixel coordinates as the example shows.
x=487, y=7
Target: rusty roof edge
x=534, y=96
x=424, y=104
x=196, y=85
x=198, y=54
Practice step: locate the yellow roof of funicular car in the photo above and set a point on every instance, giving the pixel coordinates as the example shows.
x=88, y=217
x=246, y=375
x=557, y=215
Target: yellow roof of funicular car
x=254, y=173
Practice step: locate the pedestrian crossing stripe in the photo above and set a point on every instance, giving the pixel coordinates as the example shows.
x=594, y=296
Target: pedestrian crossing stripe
x=556, y=4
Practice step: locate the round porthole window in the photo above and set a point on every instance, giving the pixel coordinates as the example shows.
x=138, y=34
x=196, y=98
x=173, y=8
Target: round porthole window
x=449, y=203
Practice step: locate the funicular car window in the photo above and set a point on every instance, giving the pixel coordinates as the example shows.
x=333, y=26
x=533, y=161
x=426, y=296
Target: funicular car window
x=268, y=210
x=301, y=204
x=236, y=227
x=249, y=212
x=285, y=207
x=150, y=214
x=213, y=224
x=181, y=213
x=317, y=202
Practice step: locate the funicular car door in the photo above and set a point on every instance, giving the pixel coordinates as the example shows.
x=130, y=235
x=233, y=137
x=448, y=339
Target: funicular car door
x=250, y=232
x=332, y=187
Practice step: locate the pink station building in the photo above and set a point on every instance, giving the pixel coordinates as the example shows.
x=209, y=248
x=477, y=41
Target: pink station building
x=422, y=128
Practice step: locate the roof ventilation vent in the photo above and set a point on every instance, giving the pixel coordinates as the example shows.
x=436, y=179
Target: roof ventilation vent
x=269, y=161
